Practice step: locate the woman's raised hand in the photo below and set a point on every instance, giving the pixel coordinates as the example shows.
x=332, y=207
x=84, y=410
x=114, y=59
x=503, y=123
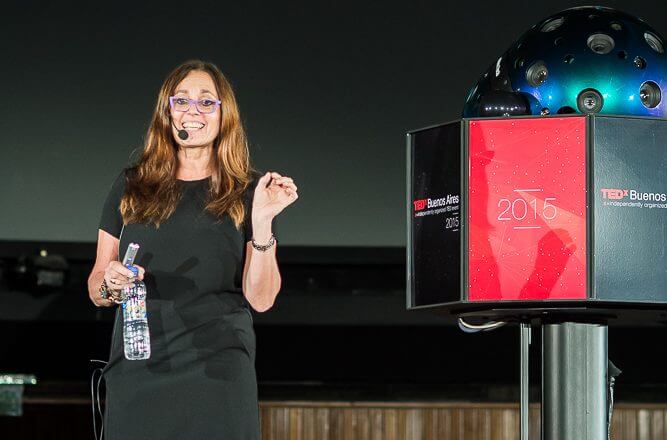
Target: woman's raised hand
x=273, y=194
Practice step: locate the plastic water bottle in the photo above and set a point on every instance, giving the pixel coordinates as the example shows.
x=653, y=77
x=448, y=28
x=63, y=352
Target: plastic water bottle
x=136, y=336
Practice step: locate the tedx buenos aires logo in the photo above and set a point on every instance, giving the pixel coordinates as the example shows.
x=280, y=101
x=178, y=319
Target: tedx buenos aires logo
x=428, y=206
x=632, y=198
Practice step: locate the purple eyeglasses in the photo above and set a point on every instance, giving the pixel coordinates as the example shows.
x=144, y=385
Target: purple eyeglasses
x=205, y=105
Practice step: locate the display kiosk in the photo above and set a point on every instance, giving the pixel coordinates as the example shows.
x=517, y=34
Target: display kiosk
x=557, y=221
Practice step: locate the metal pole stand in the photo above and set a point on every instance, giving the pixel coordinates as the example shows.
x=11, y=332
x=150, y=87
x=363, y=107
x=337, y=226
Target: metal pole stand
x=574, y=381
x=524, y=406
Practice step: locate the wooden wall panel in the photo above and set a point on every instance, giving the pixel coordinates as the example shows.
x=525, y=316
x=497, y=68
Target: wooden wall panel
x=433, y=421
x=351, y=421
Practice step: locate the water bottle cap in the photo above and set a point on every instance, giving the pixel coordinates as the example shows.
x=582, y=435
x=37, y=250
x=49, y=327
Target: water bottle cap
x=134, y=270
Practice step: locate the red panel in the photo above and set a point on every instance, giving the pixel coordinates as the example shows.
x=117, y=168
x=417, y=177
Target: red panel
x=527, y=209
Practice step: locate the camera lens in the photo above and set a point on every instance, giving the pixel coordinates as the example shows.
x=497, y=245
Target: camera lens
x=537, y=73
x=650, y=94
x=589, y=101
x=601, y=43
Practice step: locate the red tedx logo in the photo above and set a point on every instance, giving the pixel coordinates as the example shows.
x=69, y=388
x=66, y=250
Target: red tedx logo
x=614, y=194
x=420, y=204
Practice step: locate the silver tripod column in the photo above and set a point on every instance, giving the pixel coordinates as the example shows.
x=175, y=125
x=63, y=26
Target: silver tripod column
x=574, y=381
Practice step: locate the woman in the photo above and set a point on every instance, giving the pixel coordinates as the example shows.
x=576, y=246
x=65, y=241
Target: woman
x=204, y=224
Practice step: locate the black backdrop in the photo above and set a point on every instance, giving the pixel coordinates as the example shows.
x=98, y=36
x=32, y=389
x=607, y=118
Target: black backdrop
x=327, y=91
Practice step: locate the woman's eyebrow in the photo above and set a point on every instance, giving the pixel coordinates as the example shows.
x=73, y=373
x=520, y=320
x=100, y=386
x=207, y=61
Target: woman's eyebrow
x=201, y=92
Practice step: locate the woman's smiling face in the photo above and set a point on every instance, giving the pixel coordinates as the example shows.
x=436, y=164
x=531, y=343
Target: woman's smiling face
x=202, y=127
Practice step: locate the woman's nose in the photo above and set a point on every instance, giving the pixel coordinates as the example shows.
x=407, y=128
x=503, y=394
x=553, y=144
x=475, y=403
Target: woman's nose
x=193, y=110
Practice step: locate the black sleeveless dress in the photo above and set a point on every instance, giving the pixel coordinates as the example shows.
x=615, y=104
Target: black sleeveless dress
x=199, y=382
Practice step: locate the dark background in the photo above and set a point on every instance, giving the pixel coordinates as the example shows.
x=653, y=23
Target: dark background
x=327, y=91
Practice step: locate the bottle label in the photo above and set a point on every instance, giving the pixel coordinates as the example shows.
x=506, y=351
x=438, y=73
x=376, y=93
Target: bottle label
x=135, y=309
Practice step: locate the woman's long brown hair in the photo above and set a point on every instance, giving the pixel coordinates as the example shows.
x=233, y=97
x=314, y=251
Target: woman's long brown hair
x=152, y=191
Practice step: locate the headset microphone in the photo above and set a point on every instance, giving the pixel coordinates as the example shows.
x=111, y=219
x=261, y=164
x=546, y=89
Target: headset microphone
x=182, y=134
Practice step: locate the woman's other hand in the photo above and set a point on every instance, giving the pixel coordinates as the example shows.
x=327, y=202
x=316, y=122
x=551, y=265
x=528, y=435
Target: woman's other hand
x=117, y=277
x=273, y=194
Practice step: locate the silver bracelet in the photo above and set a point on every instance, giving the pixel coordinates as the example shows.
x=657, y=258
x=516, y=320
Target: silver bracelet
x=264, y=247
